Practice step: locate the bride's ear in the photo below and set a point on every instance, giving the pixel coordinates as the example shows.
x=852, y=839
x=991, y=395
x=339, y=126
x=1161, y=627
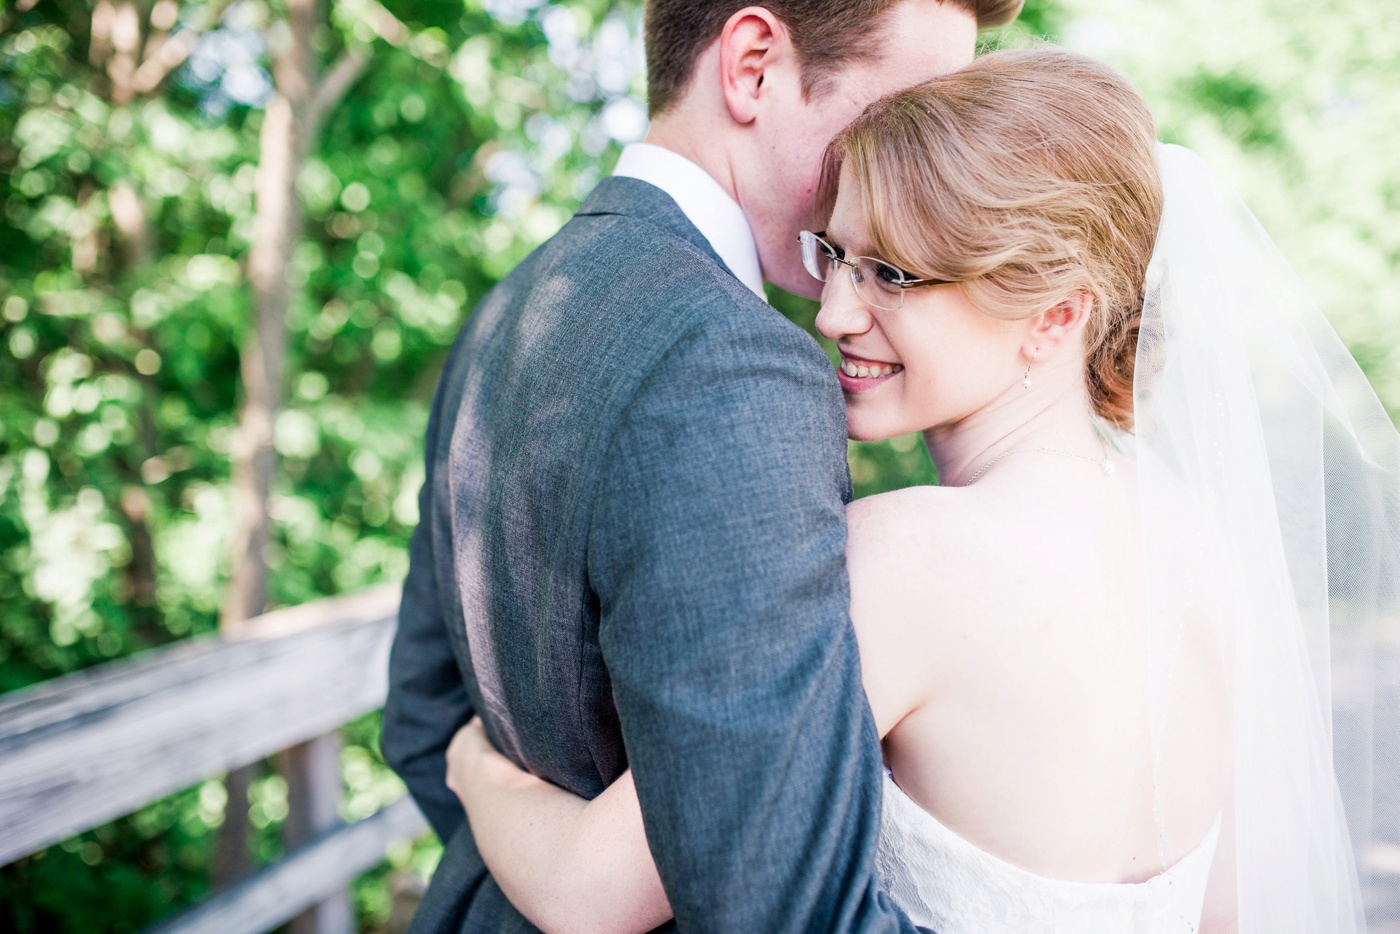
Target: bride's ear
x=1059, y=325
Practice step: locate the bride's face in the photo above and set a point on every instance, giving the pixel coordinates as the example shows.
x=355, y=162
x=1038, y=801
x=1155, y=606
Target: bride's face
x=946, y=358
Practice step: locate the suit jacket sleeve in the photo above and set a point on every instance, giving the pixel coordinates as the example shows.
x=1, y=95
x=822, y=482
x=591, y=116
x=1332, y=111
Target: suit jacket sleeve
x=427, y=699
x=718, y=555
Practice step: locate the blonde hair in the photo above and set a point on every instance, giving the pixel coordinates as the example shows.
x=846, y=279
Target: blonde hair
x=1027, y=176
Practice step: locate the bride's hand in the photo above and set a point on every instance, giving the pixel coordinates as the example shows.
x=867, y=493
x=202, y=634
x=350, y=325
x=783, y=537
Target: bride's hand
x=473, y=763
x=566, y=863
x=461, y=753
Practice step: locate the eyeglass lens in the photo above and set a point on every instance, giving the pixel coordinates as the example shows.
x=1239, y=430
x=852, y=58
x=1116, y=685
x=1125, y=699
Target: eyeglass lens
x=878, y=283
x=875, y=282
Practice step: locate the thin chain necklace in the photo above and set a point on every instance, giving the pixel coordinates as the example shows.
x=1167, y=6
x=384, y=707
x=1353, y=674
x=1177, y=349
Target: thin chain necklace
x=1104, y=462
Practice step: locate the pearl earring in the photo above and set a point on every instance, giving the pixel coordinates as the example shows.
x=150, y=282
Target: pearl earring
x=1026, y=380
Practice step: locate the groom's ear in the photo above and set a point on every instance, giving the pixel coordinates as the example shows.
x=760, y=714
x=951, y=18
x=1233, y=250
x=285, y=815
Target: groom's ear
x=1061, y=323
x=752, y=42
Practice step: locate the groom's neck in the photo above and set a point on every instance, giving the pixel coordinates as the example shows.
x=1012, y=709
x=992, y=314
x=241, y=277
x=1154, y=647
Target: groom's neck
x=698, y=139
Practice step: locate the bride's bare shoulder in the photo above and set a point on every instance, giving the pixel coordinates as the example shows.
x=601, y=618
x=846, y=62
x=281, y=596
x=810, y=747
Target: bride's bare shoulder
x=920, y=544
x=916, y=569
x=915, y=524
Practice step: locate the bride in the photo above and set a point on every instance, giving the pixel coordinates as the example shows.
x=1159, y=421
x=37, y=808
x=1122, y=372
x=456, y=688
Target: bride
x=1097, y=652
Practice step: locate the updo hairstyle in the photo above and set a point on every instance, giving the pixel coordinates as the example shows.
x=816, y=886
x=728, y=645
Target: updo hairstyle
x=1027, y=176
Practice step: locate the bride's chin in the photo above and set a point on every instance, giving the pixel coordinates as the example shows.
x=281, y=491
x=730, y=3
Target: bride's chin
x=858, y=432
x=867, y=422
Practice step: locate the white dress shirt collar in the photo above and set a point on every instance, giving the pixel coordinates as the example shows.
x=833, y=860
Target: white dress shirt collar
x=705, y=204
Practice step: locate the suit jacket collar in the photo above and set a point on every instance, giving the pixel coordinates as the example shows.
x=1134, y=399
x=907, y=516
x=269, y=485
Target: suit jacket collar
x=632, y=197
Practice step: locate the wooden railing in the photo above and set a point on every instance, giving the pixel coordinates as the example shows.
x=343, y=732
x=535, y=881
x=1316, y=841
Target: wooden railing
x=80, y=750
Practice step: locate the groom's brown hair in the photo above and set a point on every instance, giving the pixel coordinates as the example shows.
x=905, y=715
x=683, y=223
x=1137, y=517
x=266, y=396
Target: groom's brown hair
x=827, y=34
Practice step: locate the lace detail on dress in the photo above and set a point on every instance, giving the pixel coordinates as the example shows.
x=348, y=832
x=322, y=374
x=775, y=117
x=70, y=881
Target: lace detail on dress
x=945, y=883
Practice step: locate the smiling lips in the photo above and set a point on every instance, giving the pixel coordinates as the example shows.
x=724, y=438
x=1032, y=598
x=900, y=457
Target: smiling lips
x=857, y=375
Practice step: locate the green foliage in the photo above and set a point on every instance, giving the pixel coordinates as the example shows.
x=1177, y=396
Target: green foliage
x=123, y=301
x=1294, y=102
x=1040, y=20
x=120, y=876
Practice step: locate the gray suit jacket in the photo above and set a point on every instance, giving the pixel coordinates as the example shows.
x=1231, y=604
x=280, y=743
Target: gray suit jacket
x=631, y=552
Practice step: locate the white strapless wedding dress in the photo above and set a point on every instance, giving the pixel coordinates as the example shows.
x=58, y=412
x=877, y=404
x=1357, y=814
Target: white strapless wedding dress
x=944, y=883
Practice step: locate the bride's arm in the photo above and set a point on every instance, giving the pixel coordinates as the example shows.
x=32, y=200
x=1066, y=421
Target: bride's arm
x=569, y=865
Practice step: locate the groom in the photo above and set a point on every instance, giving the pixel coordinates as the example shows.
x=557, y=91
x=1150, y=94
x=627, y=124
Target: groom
x=631, y=547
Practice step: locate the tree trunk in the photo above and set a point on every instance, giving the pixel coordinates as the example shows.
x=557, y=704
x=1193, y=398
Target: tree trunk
x=290, y=123
x=278, y=219
x=133, y=57
x=125, y=51
x=277, y=222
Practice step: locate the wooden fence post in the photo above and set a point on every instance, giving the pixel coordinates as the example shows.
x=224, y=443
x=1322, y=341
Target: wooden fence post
x=313, y=807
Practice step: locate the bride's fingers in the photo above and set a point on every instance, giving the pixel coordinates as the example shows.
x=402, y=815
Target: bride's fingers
x=462, y=736
x=463, y=746
x=473, y=737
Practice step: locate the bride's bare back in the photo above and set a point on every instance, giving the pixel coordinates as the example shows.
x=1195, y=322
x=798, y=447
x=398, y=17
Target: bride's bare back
x=1005, y=653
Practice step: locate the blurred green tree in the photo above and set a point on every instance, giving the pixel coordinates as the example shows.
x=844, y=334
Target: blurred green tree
x=130, y=199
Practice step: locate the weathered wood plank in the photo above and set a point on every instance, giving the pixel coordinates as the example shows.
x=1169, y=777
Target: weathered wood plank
x=83, y=749
x=303, y=878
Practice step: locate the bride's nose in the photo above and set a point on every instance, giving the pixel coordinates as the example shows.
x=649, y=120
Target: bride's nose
x=842, y=314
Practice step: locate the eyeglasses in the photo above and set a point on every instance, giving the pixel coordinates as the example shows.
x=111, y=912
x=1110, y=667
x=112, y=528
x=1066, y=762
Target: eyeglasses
x=877, y=283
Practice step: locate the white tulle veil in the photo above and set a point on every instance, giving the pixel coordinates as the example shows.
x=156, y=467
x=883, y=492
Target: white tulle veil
x=1270, y=489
